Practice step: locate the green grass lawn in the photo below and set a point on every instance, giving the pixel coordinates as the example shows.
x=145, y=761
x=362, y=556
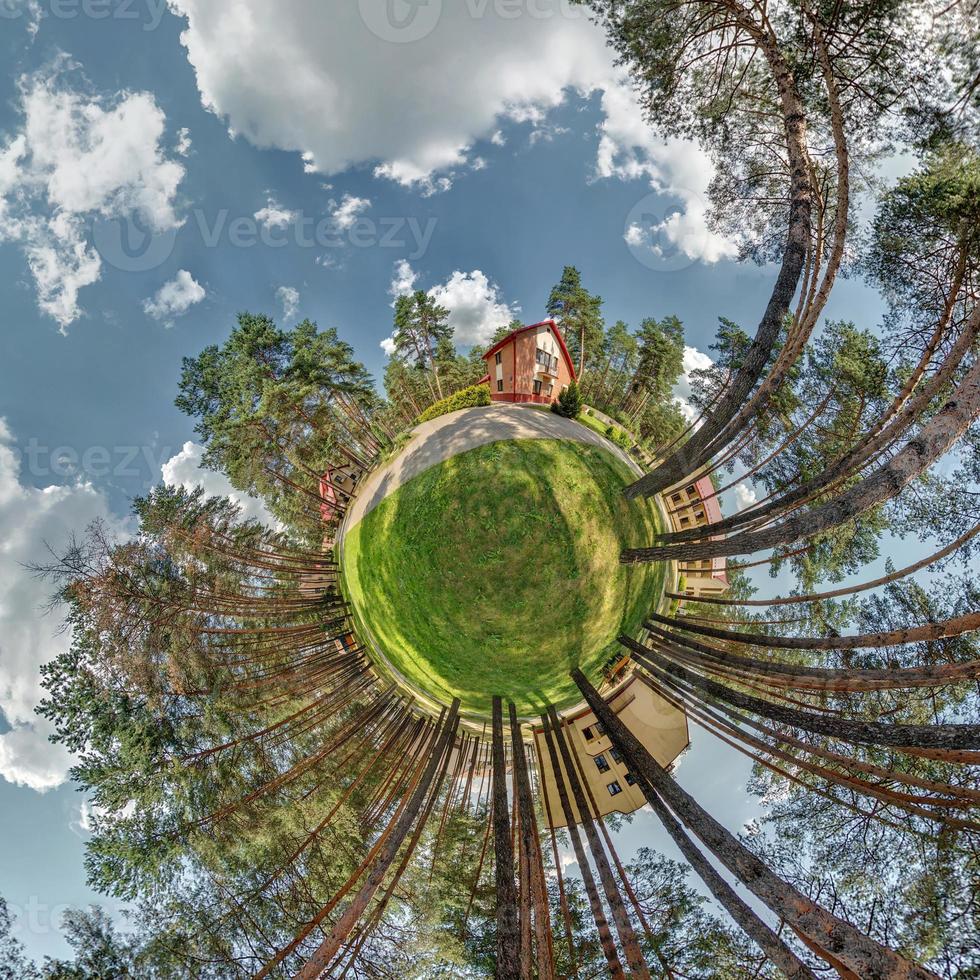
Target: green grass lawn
x=498, y=571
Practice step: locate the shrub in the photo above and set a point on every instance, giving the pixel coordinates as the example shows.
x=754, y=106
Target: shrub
x=619, y=437
x=569, y=402
x=472, y=397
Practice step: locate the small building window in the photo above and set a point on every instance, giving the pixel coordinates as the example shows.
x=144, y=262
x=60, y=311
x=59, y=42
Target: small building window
x=589, y=734
x=630, y=779
x=549, y=390
x=601, y=764
x=537, y=387
x=614, y=752
x=598, y=729
x=500, y=358
x=500, y=386
x=614, y=788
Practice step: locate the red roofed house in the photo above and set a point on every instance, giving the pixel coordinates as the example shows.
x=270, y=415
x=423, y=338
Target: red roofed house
x=529, y=365
x=695, y=505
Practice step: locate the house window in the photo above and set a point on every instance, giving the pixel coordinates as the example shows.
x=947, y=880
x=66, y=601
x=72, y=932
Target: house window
x=630, y=779
x=537, y=387
x=598, y=729
x=589, y=734
x=616, y=757
x=614, y=788
x=500, y=386
x=500, y=358
x=549, y=390
x=677, y=498
x=601, y=764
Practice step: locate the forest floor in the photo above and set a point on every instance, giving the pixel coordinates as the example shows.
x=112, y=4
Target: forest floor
x=497, y=571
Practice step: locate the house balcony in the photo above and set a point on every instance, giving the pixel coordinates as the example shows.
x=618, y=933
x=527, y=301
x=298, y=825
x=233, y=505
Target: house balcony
x=546, y=370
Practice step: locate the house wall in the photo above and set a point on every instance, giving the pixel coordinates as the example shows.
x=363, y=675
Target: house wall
x=519, y=369
x=659, y=726
x=694, y=505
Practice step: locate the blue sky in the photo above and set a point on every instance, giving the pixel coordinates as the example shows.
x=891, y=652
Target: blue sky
x=303, y=159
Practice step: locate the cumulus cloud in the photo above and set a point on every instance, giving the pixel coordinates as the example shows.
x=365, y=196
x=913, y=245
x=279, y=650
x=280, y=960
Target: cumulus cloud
x=184, y=142
x=694, y=360
x=346, y=211
x=346, y=95
x=475, y=307
x=274, y=215
x=630, y=150
x=30, y=520
x=174, y=298
x=745, y=495
x=185, y=470
x=404, y=279
x=288, y=298
x=78, y=157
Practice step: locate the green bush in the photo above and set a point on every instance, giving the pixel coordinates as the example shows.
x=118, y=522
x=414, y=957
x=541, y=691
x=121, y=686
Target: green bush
x=471, y=397
x=569, y=402
x=619, y=437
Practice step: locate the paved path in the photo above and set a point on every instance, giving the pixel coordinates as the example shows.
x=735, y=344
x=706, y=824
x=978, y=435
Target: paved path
x=436, y=441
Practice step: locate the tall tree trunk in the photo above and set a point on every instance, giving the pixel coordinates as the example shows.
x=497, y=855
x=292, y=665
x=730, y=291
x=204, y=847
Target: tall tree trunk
x=531, y=845
x=319, y=961
x=843, y=941
x=692, y=454
x=602, y=924
x=627, y=937
x=932, y=442
x=508, y=927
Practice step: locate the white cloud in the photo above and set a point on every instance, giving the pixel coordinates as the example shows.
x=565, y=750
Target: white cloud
x=478, y=163
x=185, y=470
x=475, y=307
x=629, y=150
x=694, y=360
x=184, y=142
x=174, y=298
x=30, y=520
x=274, y=215
x=77, y=157
x=288, y=298
x=635, y=235
x=346, y=212
x=404, y=279
x=346, y=96
x=745, y=495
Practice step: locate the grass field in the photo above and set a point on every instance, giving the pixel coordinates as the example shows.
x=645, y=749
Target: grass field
x=497, y=571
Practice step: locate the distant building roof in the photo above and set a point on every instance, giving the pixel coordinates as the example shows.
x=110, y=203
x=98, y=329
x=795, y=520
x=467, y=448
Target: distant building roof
x=534, y=326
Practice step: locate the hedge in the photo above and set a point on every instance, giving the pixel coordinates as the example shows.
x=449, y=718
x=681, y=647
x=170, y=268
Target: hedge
x=471, y=397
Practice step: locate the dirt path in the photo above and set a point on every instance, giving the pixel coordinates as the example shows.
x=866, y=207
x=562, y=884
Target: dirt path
x=436, y=441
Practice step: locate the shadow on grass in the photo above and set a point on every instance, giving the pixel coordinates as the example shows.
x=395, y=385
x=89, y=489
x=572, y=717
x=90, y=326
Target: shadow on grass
x=474, y=593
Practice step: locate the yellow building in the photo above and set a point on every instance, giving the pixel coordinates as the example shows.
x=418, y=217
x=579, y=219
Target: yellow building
x=695, y=505
x=660, y=727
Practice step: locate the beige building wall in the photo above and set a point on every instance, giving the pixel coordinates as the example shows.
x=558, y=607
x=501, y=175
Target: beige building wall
x=660, y=727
